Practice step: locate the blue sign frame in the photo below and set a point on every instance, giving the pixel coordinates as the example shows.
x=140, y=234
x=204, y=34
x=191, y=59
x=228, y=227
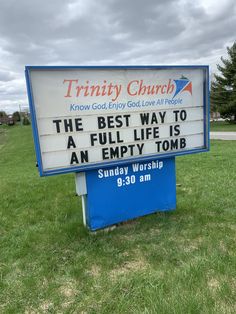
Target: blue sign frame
x=81, y=168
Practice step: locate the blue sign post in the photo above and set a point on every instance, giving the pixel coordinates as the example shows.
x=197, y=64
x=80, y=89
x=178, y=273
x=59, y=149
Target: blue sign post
x=120, y=193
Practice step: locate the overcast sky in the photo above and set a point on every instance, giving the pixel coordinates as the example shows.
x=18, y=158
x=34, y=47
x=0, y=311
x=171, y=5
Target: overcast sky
x=105, y=32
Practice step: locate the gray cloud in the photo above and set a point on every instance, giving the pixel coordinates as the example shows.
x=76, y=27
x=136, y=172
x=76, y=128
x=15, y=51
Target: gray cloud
x=6, y=76
x=108, y=32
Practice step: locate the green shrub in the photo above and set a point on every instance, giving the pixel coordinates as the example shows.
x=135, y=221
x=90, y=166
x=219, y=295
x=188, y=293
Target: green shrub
x=26, y=121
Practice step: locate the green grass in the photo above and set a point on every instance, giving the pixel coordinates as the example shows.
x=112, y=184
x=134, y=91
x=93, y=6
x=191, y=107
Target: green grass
x=222, y=126
x=179, y=262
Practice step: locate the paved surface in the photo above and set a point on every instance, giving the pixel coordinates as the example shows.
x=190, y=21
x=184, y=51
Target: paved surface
x=223, y=136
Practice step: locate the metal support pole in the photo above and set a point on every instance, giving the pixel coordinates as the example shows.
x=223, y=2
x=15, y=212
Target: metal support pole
x=81, y=190
x=84, y=208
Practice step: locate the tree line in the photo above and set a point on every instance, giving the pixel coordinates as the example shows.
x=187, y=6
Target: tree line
x=15, y=117
x=223, y=86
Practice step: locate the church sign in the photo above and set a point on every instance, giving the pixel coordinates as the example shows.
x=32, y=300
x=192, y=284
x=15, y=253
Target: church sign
x=91, y=117
x=118, y=129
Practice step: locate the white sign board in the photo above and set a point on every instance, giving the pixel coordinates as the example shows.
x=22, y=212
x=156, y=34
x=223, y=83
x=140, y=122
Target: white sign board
x=88, y=117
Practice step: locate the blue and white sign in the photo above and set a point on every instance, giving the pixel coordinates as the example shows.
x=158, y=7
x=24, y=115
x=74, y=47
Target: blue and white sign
x=87, y=118
x=125, y=192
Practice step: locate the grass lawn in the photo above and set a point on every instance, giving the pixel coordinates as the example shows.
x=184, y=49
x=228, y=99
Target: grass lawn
x=179, y=262
x=222, y=126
